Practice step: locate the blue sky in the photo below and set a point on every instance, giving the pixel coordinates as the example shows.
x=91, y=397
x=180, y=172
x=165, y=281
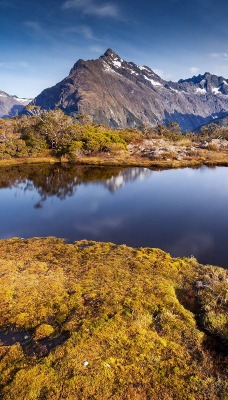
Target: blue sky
x=41, y=40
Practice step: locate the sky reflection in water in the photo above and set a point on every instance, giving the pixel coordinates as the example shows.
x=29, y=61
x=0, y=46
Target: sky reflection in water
x=180, y=211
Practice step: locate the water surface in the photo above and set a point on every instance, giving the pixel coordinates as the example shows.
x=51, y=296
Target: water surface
x=184, y=211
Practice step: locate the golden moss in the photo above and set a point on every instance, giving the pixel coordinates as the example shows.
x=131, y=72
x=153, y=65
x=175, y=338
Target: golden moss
x=43, y=331
x=99, y=321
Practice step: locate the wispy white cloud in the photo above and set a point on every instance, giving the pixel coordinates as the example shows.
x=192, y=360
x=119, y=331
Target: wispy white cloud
x=40, y=31
x=222, y=55
x=84, y=30
x=14, y=64
x=93, y=7
x=34, y=26
x=162, y=74
x=194, y=70
x=158, y=71
x=97, y=49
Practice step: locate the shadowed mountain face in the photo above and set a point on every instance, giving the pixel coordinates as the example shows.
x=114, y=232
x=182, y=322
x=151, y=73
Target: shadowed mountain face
x=222, y=121
x=122, y=94
x=11, y=105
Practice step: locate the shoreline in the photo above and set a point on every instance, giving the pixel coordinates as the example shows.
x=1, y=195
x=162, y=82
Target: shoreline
x=214, y=159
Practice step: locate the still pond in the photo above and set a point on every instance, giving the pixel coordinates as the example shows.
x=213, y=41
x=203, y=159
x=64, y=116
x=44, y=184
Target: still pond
x=184, y=211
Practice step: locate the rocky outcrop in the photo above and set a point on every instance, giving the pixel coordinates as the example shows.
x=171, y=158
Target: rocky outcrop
x=118, y=93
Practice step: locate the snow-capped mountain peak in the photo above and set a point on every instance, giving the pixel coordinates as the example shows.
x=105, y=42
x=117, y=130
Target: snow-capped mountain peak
x=120, y=93
x=11, y=105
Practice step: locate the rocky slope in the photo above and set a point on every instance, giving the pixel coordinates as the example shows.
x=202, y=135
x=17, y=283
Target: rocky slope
x=11, y=105
x=122, y=94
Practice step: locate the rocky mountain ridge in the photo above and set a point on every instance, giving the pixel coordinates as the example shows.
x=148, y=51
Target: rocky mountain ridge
x=11, y=105
x=118, y=93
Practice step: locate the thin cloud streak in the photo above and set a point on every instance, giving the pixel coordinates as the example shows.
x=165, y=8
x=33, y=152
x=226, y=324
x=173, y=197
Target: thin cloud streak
x=97, y=50
x=34, y=26
x=40, y=31
x=194, y=70
x=223, y=55
x=14, y=64
x=161, y=73
x=84, y=30
x=93, y=8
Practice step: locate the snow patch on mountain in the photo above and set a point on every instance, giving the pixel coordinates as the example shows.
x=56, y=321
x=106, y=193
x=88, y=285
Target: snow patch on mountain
x=117, y=63
x=201, y=91
x=108, y=68
x=144, y=68
x=152, y=81
x=175, y=90
x=22, y=100
x=216, y=90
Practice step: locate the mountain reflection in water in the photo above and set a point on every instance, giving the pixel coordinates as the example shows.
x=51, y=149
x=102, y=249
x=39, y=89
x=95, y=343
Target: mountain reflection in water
x=62, y=180
x=180, y=211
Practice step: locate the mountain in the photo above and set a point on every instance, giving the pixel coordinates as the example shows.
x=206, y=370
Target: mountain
x=124, y=176
x=11, y=105
x=222, y=121
x=208, y=83
x=122, y=94
x=215, y=123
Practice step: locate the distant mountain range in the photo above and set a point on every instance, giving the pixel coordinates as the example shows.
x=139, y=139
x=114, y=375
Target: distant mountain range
x=119, y=94
x=11, y=105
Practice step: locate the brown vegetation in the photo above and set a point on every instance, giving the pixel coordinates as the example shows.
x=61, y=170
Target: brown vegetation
x=54, y=137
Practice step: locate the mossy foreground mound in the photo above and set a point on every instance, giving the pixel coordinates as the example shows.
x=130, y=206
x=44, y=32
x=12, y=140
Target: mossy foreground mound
x=99, y=321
